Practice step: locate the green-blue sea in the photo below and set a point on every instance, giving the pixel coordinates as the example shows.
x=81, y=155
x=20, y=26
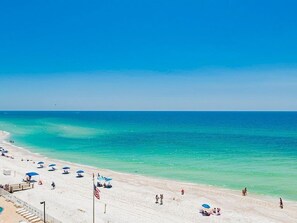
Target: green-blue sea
x=257, y=150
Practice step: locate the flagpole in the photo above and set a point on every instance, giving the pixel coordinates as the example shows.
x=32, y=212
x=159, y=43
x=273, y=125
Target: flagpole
x=93, y=200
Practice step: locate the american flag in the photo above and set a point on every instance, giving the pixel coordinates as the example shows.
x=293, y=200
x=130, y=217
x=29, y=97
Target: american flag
x=96, y=192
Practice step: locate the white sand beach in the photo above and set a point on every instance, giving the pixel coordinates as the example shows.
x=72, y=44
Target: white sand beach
x=132, y=197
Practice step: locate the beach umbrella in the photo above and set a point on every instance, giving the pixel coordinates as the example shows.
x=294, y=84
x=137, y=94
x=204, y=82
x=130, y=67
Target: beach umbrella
x=101, y=178
x=206, y=206
x=31, y=174
x=41, y=162
x=51, y=165
x=107, y=178
x=66, y=168
x=80, y=171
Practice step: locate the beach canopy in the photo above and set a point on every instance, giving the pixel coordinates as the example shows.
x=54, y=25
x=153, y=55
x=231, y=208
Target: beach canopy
x=52, y=164
x=66, y=168
x=31, y=174
x=80, y=171
x=101, y=178
x=41, y=162
x=205, y=206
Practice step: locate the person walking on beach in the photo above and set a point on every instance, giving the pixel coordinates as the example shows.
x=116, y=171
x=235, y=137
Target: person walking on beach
x=53, y=185
x=157, y=199
x=281, y=205
x=244, y=192
x=161, y=199
x=182, y=192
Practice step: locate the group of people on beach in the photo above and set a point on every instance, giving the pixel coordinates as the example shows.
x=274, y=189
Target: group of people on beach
x=100, y=184
x=281, y=204
x=4, y=153
x=214, y=211
x=159, y=197
x=27, y=179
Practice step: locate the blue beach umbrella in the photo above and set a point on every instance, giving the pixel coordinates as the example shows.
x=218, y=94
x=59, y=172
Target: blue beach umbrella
x=51, y=165
x=66, y=168
x=31, y=174
x=80, y=171
x=107, y=179
x=41, y=162
x=206, y=206
x=101, y=178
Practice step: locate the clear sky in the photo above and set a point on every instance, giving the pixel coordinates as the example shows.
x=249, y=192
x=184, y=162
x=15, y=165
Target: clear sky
x=148, y=55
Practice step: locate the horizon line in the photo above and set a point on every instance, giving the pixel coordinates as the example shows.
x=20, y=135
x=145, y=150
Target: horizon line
x=148, y=110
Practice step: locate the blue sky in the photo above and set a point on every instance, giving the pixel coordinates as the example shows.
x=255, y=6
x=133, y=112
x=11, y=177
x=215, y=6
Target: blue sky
x=148, y=55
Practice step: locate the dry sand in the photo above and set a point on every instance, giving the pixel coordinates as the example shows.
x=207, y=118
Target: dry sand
x=132, y=198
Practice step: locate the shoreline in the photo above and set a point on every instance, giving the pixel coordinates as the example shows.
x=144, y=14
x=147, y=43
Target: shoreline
x=254, y=194
x=137, y=187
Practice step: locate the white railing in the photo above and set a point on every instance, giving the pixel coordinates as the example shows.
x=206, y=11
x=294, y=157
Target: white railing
x=28, y=207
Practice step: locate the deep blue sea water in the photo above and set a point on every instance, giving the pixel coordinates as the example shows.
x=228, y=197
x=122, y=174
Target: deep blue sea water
x=257, y=150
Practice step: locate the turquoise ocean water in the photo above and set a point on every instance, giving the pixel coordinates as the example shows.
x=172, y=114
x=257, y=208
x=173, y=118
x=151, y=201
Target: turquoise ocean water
x=228, y=149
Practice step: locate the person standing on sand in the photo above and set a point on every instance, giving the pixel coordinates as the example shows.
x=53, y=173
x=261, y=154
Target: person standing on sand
x=182, y=192
x=281, y=205
x=157, y=199
x=53, y=185
x=161, y=199
x=244, y=192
